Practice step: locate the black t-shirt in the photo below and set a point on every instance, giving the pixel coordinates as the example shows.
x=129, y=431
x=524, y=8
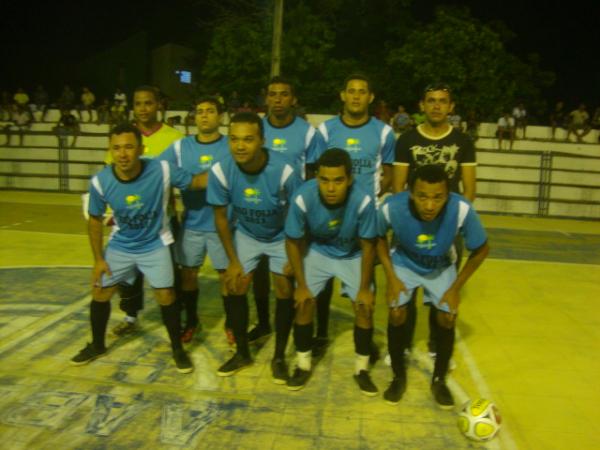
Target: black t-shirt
x=451, y=150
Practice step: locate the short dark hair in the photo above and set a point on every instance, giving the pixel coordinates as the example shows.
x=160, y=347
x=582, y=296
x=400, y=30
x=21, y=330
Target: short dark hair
x=430, y=173
x=357, y=76
x=249, y=117
x=437, y=86
x=147, y=88
x=210, y=99
x=278, y=79
x=336, y=157
x=126, y=127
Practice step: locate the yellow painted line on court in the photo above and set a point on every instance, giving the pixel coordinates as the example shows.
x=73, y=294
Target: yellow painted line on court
x=535, y=261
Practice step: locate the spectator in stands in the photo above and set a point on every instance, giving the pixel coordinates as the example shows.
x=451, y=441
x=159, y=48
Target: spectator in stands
x=118, y=113
x=382, y=112
x=455, y=120
x=40, y=103
x=66, y=101
x=259, y=101
x=67, y=126
x=418, y=117
x=579, y=123
x=472, y=125
x=233, y=104
x=87, y=103
x=20, y=122
x=558, y=117
x=21, y=98
x=595, y=124
x=120, y=97
x=5, y=106
x=520, y=115
x=506, y=129
x=163, y=106
x=401, y=121
x=103, y=111
x=246, y=107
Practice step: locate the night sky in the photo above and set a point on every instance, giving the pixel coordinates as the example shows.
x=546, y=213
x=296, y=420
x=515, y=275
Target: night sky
x=33, y=38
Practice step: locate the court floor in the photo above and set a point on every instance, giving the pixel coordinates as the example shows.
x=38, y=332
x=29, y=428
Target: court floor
x=529, y=335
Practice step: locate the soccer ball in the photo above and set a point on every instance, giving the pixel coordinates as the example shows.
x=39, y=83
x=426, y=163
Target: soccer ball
x=479, y=420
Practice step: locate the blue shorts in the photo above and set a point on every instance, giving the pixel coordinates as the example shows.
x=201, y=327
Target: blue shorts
x=318, y=269
x=192, y=246
x=435, y=285
x=249, y=252
x=156, y=265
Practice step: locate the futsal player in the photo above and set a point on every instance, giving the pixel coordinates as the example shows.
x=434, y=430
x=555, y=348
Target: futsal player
x=425, y=222
x=257, y=185
x=331, y=232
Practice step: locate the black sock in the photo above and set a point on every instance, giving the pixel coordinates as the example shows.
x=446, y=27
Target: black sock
x=172, y=320
x=132, y=297
x=398, y=339
x=303, y=337
x=99, y=314
x=227, y=319
x=411, y=318
x=284, y=318
x=261, y=287
x=363, y=338
x=433, y=326
x=444, y=343
x=237, y=307
x=190, y=303
x=323, y=305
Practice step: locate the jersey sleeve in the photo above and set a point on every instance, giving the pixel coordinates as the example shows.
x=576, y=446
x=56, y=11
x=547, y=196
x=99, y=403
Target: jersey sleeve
x=389, y=143
x=316, y=147
x=383, y=219
x=217, y=191
x=97, y=203
x=180, y=178
x=295, y=221
x=291, y=183
x=367, y=219
x=468, y=151
x=168, y=155
x=473, y=231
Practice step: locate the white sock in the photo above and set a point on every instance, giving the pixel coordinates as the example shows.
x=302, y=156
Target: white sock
x=130, y=319
x=361, y=363
x=304, y=360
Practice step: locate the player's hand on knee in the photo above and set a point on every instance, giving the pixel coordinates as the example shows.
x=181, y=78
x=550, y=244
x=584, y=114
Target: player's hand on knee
x=451, y=298
x=395, y=287
x=365, y=299
x=302, y=297
x=232, y=277
x=100, y=267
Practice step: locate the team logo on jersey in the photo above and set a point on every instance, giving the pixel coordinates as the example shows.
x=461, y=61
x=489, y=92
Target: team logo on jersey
x=425, y=241
x=279, y=145
x=206, y=161
x=333, y=224
x=353, y=145
x=252, y=195
x=134, y=201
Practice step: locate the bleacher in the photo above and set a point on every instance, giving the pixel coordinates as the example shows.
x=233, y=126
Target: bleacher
x=538, y=177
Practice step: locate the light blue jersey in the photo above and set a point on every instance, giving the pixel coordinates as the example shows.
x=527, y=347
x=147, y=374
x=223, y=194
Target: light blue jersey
x=425, y=247
x=258, y=200
x=139, y=205
x=299, y=142
x=196, y=157
x=334, y=232
x=370, y=146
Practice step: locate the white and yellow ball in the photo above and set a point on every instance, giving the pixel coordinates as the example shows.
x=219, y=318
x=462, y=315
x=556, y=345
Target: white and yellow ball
x=479, y=420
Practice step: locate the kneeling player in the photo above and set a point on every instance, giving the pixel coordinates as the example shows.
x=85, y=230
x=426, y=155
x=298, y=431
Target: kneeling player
x=425, y=223
x=137, y=190
x=338, y=221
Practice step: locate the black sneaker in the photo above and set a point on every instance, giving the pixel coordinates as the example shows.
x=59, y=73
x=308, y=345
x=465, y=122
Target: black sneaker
x=236, y=363
x=395, y=390
x=298, y=380
x=182, y=361
x=279, y=370
x=319, y=346
x=441, y=393
x=258, y=332
x=363, y=379
x=86, y=355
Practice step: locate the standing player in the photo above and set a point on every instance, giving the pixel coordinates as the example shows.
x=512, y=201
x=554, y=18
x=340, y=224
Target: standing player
x=257, y=184
x=198, y=236
x=137, y=190
x=436, y=142
x=299, y=142
x=370, y=143
x=334, y=219
x=425, y=223
x=156, y=137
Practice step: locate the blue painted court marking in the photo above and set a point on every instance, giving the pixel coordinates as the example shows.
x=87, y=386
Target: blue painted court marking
x=544, y=246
